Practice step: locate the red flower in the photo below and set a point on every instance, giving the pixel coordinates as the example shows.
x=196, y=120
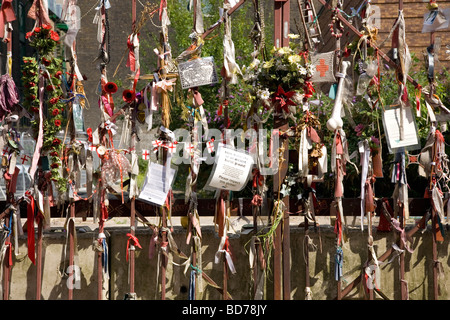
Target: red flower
x=54, y=154
x=54, y=165
x=55, y=112
x=56, y=142
x=28, y=34
x=58, y=74
x=46, y=26
x=54, y=35
x=37, y=29
x=54, y=100
x=57, y=122
x=284, y=98
x=50, y=88
x=46, y=62
x=31, y=97
x=34, y=109
x=31, y=84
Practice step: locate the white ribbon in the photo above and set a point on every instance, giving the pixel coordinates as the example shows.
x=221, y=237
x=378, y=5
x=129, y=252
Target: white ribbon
x=229, y=60
x=111, y=127
x=364, y=150
x=304, y=146
x=227, y=255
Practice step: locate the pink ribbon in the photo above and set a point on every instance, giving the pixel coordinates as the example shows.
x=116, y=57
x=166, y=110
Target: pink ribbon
x=33, y=10
x=106, y=105
x=6, y=15
x=397, y=227
x=39, y=142
x=165, y=85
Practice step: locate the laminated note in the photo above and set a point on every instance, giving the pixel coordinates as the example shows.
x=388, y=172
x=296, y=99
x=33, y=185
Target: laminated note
x=157, y=183
x=435, y=20
x=392, y=119
x=231, y=170
x=197, y=72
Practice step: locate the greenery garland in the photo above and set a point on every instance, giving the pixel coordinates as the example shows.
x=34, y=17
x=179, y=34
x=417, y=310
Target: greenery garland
x=45, y=40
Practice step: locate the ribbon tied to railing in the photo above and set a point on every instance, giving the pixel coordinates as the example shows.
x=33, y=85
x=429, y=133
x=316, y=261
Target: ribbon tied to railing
x=135, y=242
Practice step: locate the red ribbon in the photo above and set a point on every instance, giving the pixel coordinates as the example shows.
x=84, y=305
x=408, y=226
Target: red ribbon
x=308, y=89
x=405, y=94
x=30, y=230
x=162, y=5
x=284, y=98
x=131, y=61
x=257, y=178
x=135, y=242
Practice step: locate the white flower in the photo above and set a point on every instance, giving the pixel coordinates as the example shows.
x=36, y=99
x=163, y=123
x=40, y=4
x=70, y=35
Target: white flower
x=293, y=36
x=254, y=63
x=284, y=50
x=303, y=71
x=263, y=94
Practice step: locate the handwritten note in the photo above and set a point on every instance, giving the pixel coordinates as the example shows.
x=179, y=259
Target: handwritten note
x=231, y=170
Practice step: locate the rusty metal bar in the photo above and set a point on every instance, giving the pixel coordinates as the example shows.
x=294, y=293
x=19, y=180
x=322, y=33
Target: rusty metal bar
x=72, y=231
x=133, y=145
x=281, y=257
x=39, y=260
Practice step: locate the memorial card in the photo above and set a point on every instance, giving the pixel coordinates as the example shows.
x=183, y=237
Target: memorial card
x=231, y=169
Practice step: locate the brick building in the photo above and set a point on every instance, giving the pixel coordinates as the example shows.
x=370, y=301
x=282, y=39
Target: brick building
x=413, y=11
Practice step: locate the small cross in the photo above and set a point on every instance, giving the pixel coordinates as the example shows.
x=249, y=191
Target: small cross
x=156, y=144
x=5, y=151
x=24, y=158
x=322, y=67
x=210, y=145
x=145, y=154
x=172, y=147
x=189, y=147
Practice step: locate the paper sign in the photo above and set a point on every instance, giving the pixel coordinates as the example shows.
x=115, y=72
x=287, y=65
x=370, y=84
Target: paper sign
x=391, y=123
x=157, y=183
x=231, y=170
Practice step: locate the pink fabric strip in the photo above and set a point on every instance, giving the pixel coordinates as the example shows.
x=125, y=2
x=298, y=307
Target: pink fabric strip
x=39, y=142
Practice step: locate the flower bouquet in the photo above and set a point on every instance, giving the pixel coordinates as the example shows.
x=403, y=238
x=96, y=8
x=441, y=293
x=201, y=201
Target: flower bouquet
x=282, y=81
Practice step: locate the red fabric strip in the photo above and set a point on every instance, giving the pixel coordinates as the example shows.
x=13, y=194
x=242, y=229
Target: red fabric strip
x=30, y=230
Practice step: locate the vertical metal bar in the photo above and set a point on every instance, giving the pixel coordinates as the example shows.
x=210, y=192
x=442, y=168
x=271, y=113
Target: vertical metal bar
x=39, y=260
x=282, y=238
x=71, y=227
x=225, y=277
x=6, y=267
x=133, y=145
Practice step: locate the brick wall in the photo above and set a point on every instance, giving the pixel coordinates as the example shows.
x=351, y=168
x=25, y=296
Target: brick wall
x=413, y=11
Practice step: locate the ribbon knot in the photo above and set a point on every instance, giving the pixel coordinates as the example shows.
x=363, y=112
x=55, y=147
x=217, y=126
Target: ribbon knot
x=258, y=179
x=111, y=127
x=135, y=241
